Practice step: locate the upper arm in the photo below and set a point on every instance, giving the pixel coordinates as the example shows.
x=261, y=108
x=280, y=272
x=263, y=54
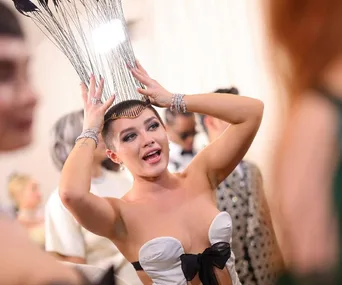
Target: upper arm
x=304, y=169
x=99, y=215
x=220, y=157
x=63, y=234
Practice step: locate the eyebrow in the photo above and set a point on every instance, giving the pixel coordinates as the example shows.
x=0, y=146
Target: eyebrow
x=132, y=129
x=13, y=60
x=8, y=55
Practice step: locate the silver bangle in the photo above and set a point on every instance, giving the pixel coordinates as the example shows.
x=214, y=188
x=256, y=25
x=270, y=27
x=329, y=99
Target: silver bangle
x=89, y=133
x=178, y=104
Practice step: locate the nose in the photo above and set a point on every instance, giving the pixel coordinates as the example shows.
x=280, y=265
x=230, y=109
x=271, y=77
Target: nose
x=27, y=98
x=147, y=140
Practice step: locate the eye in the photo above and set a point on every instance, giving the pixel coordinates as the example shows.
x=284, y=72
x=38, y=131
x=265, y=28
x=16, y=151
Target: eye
x=7, y=71
x=129, y=137
x=153, y=126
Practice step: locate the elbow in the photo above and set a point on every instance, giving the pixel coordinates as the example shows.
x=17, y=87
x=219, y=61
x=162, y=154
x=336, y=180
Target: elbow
x=258, y=110
x=68, y=197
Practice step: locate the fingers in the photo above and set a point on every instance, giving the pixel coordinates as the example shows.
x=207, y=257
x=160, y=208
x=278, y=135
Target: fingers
x=93, y=92
x=99, y=90
x=108, y=103
x=139, y=66
x=143, y=78
x=92, y=86
x=145, y=92
x=84, y=92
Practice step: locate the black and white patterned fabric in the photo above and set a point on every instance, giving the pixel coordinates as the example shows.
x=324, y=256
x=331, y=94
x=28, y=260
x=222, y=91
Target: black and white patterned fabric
x=253, y=243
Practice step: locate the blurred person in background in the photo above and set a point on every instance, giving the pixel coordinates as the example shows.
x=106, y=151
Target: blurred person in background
x=307, y=204
x=21, y=262
x=181, y=130
x=26, y=196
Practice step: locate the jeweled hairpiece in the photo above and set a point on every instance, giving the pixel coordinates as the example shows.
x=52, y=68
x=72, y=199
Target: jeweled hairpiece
x=126, y=109
x=93, y=35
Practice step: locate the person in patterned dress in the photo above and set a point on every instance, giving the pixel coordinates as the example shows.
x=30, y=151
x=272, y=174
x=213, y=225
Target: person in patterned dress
x=241, y=194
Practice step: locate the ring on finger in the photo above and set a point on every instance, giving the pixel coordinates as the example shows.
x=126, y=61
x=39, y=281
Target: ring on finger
x=95, y=101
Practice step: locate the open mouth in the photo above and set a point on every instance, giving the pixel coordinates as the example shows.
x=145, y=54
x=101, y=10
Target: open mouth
x=23, y=124
x=152, y=156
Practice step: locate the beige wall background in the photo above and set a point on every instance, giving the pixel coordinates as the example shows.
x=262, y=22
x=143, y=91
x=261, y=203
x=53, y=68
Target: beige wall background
x=190, y=46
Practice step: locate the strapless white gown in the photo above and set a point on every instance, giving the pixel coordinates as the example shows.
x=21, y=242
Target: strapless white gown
x=160, y=257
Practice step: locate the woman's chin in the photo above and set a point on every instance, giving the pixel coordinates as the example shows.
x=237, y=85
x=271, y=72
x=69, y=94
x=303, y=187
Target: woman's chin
x=154, y=172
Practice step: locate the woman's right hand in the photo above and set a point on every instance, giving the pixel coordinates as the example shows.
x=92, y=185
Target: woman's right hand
x=158, y=95
x=94, y=109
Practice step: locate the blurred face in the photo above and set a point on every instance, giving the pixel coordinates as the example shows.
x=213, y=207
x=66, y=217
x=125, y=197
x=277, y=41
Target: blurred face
x=31, y=196
x=183, y=131
x=17, y=100
x=141, y=144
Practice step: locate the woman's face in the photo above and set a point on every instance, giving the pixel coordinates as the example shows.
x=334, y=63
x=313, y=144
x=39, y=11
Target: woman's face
x=141, y=144
x=17, y=100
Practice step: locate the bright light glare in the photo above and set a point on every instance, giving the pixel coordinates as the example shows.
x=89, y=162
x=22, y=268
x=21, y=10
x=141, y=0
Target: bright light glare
x=108, y=36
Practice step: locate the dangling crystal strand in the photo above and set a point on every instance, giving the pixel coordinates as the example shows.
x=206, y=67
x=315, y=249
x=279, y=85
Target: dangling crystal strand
x=70, y=26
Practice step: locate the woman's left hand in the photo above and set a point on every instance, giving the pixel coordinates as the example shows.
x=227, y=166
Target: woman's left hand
x=158, y=95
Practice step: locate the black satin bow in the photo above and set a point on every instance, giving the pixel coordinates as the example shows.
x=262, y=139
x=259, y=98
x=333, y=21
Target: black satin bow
x=187, y=152
x=203, y=263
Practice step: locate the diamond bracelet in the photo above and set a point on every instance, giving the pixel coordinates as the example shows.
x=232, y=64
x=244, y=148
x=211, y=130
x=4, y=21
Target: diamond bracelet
x=89, y=133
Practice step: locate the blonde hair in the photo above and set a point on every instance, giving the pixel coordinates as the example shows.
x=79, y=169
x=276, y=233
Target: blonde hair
x=16, y=185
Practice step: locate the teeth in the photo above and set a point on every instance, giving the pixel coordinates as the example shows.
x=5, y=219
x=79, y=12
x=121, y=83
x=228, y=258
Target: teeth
x=151, y=153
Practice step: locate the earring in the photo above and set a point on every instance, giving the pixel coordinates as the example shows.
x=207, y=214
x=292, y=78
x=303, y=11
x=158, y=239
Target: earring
x=121, y=166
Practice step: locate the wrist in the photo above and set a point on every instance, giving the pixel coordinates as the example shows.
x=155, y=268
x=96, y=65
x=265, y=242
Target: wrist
x=178, y=104
x=169, y=101
x=88, y=134
x=89, y=128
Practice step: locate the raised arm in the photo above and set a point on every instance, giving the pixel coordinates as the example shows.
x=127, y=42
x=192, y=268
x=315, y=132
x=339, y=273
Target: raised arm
x=98, y=215
x=243, y=114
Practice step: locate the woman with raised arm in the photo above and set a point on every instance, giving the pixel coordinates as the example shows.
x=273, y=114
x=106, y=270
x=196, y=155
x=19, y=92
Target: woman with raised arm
x=167, y=225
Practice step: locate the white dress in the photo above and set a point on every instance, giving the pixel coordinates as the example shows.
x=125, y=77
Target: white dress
x=161, y=258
